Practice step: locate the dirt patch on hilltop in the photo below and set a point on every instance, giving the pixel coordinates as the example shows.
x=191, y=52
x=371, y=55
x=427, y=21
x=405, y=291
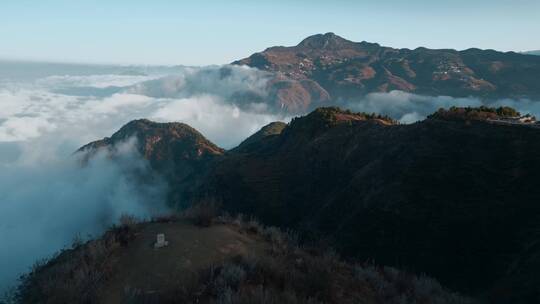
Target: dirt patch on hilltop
x=143, y=269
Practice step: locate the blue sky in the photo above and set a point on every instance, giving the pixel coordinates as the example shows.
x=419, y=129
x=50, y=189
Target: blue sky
x=215, y=32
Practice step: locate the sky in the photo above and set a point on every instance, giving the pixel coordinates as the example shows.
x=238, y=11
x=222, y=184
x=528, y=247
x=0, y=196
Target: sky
x=208, y=32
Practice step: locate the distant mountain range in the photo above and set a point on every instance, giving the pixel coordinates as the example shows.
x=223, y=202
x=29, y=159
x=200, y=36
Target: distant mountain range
x=532, y=53
x=454, y=196
x=325, y=68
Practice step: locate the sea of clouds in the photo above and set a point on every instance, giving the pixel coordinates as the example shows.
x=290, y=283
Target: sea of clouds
x=47, y=198
x=47, y=111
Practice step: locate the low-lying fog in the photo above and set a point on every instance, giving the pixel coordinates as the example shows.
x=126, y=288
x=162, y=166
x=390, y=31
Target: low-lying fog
x=47, y=111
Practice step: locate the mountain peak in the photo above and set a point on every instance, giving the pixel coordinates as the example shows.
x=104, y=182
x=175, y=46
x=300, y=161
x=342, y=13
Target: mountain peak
x=324, y=41
x=336, y=114
x=160, y=141
x=270, y=130
x=144, y=125
x=323, y=118
x=345, y=70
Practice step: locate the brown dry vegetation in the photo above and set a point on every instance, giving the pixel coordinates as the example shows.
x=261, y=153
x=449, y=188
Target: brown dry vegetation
x=271, y=267
x=75, y=275
x=203, y=213
x=290, y=273
x=343, y=69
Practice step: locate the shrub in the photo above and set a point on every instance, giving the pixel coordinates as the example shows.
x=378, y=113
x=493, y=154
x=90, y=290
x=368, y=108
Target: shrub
x=167, y=218
x=507, y=112
x=394, y=286
x=74, y=275
x=253, y=226
x=9, y=297
x=284, y=274
x=203, y=213
x=474, y=113
x=129, y=221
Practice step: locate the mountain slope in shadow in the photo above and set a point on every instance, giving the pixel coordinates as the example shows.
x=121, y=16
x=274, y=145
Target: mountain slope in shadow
x=454, y=196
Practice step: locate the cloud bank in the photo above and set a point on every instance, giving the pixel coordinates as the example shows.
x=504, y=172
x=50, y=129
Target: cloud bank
x=93, y=106
x=47, y=198
x=45, y=202
x=408, y=108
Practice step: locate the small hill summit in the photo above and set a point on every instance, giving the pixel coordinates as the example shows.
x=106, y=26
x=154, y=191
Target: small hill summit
x=160, y=141
x=498, y=115
x=175, y=150
x=328, y=41
x=230, y=260
x=338, y=115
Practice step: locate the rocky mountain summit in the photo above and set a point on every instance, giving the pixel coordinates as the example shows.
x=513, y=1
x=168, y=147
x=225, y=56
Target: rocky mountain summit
x=325, y=67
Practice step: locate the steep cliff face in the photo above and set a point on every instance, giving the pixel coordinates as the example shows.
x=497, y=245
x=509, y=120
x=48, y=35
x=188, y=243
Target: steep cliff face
x=342, y=69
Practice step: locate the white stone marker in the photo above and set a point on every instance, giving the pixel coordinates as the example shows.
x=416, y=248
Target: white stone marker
x=160, y=241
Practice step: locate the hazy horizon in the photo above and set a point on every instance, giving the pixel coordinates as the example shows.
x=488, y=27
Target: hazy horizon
x=211, y=32
x=179, y=64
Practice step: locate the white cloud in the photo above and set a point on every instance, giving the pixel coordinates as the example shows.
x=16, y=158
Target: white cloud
x=221, y=81
x=45, y=203
x=22, y=128
x=11, y=103
x=96, y=81
x=407, y=107
x=218, y=120
x=200, y=97
x=46, y=198
x=117, y=102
